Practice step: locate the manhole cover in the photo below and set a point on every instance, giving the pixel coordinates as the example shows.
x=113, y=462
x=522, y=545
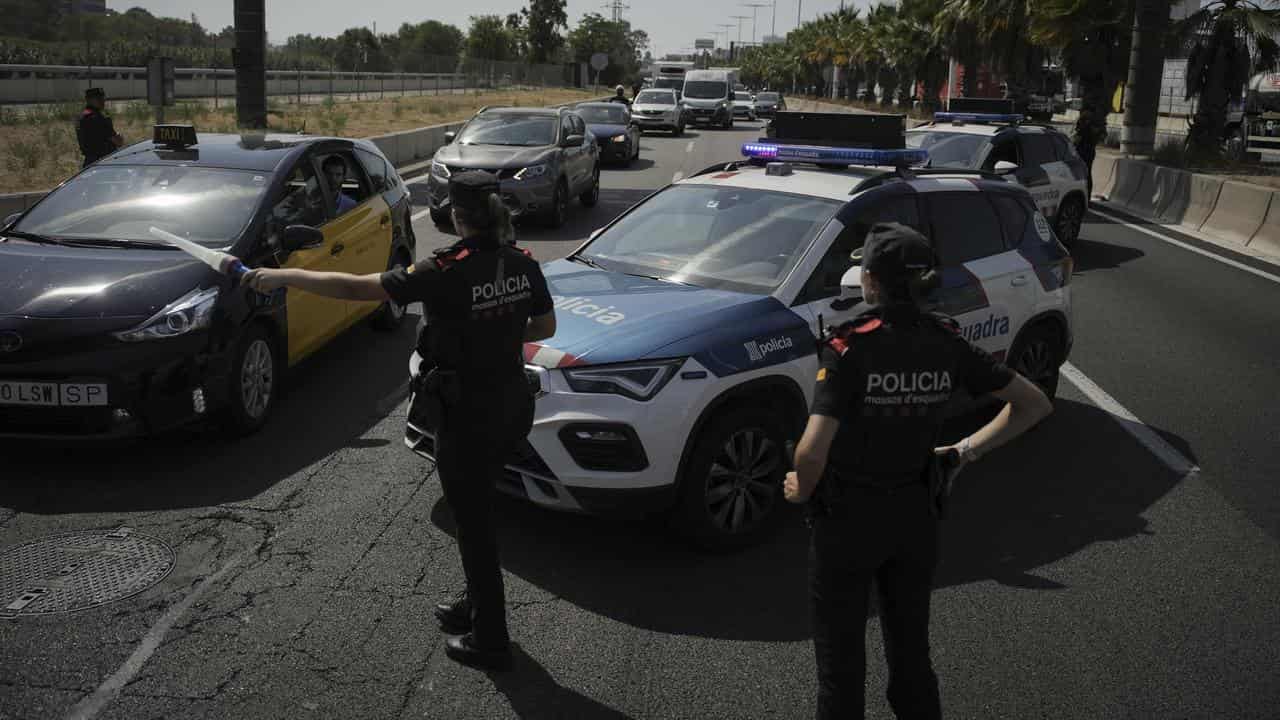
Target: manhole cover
x=77, y=571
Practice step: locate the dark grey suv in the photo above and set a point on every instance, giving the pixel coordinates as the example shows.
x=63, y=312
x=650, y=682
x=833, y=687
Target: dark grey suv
x=543, y=158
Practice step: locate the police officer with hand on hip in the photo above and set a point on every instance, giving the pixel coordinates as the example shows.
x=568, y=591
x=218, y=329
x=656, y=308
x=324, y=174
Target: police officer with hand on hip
x=869, y=453
x=94, y=131
x=484, y=298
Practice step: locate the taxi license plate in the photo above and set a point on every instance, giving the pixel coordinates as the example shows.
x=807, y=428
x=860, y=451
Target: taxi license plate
x=24, y=392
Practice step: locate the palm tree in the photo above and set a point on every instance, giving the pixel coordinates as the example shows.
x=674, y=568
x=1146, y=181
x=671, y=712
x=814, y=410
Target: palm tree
x=1093, y=38
x=1228, y=40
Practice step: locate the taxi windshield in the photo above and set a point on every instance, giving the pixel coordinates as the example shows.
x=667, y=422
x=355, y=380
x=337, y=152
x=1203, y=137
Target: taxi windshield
x=604, y=115
x=717, y=237
x=949, y=149
x=210, y=206
x=516, y=129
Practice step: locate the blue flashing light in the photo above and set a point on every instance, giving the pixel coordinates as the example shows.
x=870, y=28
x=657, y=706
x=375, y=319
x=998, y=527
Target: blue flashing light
x=835, y=155
x=977, y=117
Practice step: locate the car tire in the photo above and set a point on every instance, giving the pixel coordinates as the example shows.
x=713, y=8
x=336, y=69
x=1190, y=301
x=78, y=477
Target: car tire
x=592, y=195
x=558, y=213
x=726, y=503
x=1037, y=356
x=441, y=217
x=390, y=314
x=678, y=131
x=254, y=382
x=1068, y=221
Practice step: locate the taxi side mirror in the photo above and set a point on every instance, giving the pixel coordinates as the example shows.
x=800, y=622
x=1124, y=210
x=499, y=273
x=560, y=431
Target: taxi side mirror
x=302, y=237
x=10, y=220
x=573, y=140
x=449, y=137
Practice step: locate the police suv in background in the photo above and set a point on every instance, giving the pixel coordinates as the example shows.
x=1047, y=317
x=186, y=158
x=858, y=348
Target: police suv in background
x=685, y=353
x=986, y=135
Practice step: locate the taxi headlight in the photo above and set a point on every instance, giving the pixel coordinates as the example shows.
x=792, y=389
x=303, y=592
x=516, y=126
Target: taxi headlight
x=638, y=380
x=619, y=138
x=191, y=312
x=439, y=169
x=531, y=172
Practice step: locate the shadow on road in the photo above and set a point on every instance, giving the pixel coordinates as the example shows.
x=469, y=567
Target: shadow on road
x=639, y=164
x=1096, y=255
x=1077, y=480
x=534, y=694
x=330, y=400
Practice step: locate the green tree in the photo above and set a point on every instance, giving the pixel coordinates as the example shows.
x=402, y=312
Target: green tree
x=490, y=39
x=624, y=46
x=1227, y=41
x=430, y=46
x=543, y=20
x=357, y=49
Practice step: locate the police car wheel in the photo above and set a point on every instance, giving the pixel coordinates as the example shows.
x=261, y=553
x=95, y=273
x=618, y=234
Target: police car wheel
x=1067, y=223
x=732, y=482
x=592, y=195
x=254, y=381
x=1037, y=356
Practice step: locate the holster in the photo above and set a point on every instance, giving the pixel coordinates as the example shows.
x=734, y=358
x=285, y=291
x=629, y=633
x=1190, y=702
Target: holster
x=941, y=474
x=434, y=392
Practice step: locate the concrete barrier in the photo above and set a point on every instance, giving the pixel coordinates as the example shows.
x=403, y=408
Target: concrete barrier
x=1202, y=198
x=1104, y=174
x=1267, y=238
x=1239, y=213
x=1130, y=175
x=18, y=202
x=1171, y=195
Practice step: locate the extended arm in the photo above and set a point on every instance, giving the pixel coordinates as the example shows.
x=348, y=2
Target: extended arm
x=1025, y=405
x=540, y=327
x=343, y=286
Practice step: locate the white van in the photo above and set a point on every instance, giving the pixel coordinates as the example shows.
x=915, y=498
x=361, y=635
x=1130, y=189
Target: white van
x=708, y=97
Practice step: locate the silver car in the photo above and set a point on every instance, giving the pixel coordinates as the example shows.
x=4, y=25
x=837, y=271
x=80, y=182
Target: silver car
x=543, y=158
x=658, y=109
x=744, y=105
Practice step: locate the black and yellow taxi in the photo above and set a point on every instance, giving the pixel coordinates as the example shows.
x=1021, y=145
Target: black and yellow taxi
x=107, y=331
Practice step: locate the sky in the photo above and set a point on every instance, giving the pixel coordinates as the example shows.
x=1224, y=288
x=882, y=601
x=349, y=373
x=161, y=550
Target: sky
x=672, y=25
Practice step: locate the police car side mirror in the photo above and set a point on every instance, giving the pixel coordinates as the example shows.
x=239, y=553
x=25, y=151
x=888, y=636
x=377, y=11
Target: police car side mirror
x=302, y=237
x=1004, y=167
x=852, y=278
x=449, y=137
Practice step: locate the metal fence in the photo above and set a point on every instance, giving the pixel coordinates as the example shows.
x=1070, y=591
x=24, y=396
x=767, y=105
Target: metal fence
x=26, y=84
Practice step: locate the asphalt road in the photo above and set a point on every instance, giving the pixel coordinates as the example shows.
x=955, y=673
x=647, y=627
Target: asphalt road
x=1086, y=573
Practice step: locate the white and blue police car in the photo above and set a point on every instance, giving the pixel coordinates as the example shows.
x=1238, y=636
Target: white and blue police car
x=685, y=353
x=980, y=134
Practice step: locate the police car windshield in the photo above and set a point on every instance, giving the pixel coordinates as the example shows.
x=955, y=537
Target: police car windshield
x=510, y=129
x=949, y=149
x=651, y=97
x=717, y=237
x=614, y=114
x=210, y=206
x=705, y=89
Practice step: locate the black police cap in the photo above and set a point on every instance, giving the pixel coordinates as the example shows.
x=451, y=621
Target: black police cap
x=894, y=251
x=470, y=190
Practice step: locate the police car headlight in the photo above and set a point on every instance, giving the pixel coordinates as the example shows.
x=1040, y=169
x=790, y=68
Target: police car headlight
x=439, y=169
x=638, y=380
x=191, y=312
x=531, y=172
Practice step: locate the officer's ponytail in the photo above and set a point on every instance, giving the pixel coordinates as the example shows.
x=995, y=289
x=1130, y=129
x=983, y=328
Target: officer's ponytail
x=503, y=230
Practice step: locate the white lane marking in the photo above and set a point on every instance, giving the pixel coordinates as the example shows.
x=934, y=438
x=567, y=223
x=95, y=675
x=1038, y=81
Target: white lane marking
x=1141, y=432
x=689, y=148
x=678, y=176
x=111, y=687
x=1187, y=246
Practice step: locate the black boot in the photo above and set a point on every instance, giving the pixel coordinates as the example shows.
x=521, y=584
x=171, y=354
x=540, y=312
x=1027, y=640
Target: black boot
x=463, y=651
x=455, y=617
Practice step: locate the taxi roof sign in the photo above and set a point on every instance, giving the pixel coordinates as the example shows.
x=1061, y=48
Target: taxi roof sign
x=175, y=136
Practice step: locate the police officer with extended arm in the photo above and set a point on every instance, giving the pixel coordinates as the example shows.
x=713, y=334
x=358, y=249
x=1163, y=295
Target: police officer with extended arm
x=94, y=130
x=484, y=298
x=869, y=453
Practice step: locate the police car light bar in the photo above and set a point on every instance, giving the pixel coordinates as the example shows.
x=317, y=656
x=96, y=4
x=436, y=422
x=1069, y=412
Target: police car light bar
x=835, y=155
x=955, y=117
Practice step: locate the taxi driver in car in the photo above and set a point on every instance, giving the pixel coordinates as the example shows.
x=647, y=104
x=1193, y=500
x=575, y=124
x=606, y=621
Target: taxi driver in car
x=335, y=171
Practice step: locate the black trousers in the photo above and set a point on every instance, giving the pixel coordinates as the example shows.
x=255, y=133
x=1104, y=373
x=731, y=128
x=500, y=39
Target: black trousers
x=474, y=442
x=891, y=539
